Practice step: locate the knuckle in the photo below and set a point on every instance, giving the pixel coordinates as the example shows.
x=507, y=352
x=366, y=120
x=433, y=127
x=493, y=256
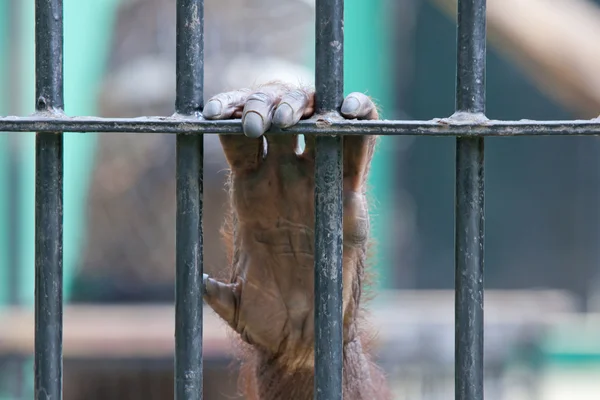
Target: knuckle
x=297, y=95
x=259, y=96
x=361, y=97
x=358, y=95
x=221, y=98
x=214, y=98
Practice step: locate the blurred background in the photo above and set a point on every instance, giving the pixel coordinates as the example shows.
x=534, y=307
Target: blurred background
x=542, y=278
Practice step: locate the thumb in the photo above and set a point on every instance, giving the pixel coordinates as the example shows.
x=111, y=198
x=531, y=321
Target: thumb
x=223, y=298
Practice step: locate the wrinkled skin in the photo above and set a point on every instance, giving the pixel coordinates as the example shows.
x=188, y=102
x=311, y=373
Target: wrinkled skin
x=269, y=299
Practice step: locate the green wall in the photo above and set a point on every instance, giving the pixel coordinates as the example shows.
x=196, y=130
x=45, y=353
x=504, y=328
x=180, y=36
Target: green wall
x=4, y=212
x=87, y=32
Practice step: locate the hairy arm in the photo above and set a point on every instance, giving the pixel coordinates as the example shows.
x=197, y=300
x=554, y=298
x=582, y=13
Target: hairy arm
x=269, y=300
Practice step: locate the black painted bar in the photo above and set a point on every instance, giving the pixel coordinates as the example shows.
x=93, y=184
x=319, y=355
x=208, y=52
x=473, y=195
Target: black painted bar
x=189, y=239
x=48, y=202
x=329, y=82
x=185, y=124
x=469, y=251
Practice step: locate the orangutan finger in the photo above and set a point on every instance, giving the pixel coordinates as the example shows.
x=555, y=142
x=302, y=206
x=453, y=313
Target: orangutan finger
x=259, y=108
x=360, y=106
x=258, y=112
x=225, y=105
x=221, y=297
x=292, y=108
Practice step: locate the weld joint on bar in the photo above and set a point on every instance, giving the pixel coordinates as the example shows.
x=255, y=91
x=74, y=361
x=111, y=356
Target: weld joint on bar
x=177, y=116
x=466, y=118
x=51, y=113
x=325, y=120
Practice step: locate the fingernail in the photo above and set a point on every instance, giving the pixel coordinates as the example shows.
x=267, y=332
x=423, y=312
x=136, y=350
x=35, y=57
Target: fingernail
x=350, y=105
x=283, y=116
x=212, y=109
x=204, y=283
x=254, y=125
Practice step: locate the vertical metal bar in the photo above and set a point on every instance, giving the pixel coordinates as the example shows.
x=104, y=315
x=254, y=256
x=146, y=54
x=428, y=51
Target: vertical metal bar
x=189, y=237
x=48, y=202
x=328, y=204
x=469, y=245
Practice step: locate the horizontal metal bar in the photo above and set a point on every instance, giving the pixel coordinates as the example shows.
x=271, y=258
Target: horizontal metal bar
x=177, y=124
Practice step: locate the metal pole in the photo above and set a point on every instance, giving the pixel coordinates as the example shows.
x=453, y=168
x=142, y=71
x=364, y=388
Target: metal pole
x=328, y=204
x=469, y=250
x=48, y=202
x=189, y=237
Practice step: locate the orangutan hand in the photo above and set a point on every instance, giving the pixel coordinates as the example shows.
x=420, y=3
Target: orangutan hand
x=269, y=299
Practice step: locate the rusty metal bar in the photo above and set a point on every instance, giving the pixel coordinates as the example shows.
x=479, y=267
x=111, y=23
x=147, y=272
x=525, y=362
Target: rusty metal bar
x=329, y=82
x=189, y=238
x=469, y=215
x=453, y=126
x=48, y=361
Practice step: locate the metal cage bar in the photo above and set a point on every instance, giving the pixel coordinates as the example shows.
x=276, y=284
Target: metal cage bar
x=469, y=214
x=455, y=125
x=189, y=177
x=329, y=84
x=48, y=202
